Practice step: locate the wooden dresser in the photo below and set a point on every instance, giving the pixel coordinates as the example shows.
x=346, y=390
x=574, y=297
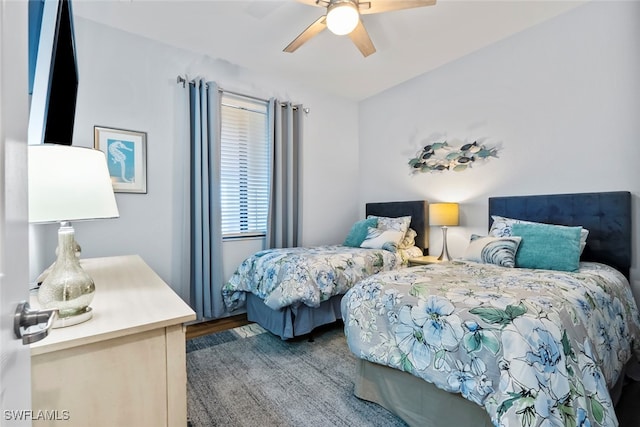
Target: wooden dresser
x=124, y=367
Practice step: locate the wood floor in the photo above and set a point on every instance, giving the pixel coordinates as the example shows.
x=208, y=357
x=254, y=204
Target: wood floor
x=217, y=325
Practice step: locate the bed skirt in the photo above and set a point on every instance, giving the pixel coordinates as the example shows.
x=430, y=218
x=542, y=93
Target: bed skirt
x=290, y=322
x=416, y=401
x=420, y=403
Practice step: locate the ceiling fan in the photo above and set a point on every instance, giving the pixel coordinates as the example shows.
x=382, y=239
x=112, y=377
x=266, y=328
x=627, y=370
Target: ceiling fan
x=343, y=17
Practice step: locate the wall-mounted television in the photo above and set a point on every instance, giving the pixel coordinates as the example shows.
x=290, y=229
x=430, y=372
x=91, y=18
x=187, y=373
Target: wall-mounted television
x=53, y=72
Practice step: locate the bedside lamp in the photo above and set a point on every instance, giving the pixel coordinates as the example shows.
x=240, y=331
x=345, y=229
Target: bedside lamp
x=443, y=214
x=68, y=184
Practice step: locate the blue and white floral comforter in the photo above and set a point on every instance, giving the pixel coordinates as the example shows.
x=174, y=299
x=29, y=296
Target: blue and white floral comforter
x=293, y=276
x=533, y=347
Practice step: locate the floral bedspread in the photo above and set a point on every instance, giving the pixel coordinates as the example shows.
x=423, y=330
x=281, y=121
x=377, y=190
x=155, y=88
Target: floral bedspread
x=292, y=276
x=533, y=347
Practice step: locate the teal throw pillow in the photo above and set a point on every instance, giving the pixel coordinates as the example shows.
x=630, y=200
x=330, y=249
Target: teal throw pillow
x=548, y=247
x=502, y=227
x=358, y=232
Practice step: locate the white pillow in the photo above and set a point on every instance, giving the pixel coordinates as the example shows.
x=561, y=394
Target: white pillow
x=502, y=227
x=398, y=224
x=493, y=250
x=382, y=239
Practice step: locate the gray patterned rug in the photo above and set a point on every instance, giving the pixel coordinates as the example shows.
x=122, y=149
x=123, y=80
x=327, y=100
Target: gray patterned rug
x=248, y=377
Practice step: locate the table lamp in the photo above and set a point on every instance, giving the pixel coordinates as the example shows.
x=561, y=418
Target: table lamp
x=68, y=184
x=445, y=215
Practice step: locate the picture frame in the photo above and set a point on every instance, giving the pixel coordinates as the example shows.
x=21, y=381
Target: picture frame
x=126, y=153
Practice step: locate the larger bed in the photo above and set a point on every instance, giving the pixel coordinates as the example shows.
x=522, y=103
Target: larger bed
x=471, y=343
x=292, y=291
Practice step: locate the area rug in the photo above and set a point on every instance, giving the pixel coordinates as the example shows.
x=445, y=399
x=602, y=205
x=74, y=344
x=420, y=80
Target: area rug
x=248, y=377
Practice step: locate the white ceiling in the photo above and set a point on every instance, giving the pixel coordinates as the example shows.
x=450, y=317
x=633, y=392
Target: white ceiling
x=252, y=34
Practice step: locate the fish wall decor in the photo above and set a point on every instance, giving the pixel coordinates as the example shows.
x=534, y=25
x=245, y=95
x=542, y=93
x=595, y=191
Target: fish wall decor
x=439, y=156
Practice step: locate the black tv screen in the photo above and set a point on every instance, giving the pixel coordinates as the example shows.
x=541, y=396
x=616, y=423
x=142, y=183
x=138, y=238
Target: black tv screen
x=54, y=72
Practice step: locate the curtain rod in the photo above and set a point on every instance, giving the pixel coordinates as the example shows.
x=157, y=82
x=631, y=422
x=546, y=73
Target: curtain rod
x=184, y=81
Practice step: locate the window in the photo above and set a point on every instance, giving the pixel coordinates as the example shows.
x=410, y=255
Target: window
x=245, y=163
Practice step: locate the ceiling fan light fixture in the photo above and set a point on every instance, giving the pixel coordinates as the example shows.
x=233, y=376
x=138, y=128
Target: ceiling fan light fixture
x=342, y=17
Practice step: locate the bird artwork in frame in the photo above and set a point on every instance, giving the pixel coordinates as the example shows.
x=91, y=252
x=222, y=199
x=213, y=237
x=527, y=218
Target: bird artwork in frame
x=125, y=152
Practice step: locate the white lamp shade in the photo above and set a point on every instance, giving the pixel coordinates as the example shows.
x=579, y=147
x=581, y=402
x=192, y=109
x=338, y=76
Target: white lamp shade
x=443, y=214
x=342, y=17
x=68, y=184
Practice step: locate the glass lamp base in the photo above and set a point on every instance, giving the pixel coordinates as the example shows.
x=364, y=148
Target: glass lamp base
x=67, y=286
x=62, y=322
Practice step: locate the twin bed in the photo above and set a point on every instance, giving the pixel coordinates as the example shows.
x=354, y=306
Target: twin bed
x=533, y=326
x=470, y=343
x=292, y=291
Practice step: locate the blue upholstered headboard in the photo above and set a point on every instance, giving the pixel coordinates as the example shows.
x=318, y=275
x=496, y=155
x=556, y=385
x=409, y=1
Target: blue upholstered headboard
x=606, y=215
x=417, y=209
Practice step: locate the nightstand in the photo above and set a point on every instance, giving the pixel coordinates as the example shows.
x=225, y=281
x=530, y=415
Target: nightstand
x=423, y=260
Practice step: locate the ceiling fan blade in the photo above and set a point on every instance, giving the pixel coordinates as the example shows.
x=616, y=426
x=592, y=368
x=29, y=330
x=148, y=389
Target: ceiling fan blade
x=378, y=6
x=311, y=31
x=319, y=3
x=361, y=39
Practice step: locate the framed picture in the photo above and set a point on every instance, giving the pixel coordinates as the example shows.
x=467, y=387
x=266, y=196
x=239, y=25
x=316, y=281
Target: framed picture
x=126, y=153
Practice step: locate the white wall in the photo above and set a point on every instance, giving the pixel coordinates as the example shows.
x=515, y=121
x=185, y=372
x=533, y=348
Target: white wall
x=563, y=99
x=129, y=82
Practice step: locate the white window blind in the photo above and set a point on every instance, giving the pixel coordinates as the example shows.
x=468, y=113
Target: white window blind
x=245, y=162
